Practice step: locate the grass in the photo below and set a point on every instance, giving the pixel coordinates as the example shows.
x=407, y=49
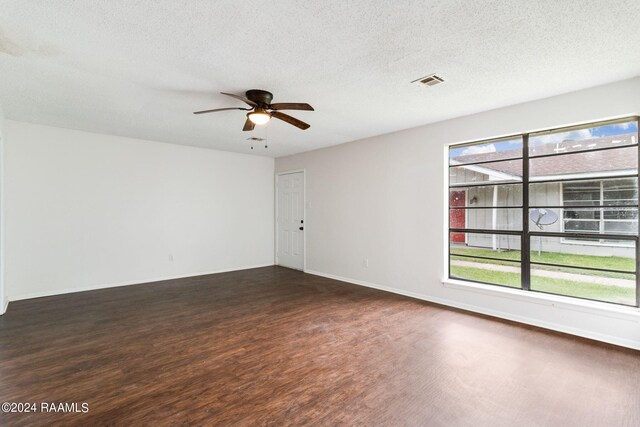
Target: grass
x=608, y=262
x=594, y=291
x=507, y=255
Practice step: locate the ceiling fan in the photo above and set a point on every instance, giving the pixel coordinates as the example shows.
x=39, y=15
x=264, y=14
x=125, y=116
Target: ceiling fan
x=262, y=110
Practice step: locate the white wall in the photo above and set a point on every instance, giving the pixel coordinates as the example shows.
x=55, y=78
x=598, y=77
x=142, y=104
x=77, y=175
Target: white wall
x=382, y=199
x=86, y=210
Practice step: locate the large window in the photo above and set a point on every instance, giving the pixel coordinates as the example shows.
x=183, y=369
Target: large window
x=553, y=211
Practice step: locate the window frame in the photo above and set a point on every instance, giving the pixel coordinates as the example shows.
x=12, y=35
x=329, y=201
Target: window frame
x=525, y=234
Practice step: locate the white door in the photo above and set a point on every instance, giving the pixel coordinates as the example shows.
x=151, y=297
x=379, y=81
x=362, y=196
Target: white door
x=290, y=220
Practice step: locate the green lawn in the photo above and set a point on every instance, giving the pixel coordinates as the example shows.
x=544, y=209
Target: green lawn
x=508, y=255
x=614, y=294
x=608, y=262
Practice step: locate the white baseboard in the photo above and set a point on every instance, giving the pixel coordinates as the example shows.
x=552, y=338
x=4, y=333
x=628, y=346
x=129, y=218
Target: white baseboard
x=4, y=307
x=623, y=342
x=128, y=283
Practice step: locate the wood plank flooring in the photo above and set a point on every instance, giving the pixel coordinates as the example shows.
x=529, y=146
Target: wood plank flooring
x=273, y=346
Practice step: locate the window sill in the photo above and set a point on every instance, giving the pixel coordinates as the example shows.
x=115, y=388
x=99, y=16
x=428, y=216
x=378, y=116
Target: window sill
x=566, y=303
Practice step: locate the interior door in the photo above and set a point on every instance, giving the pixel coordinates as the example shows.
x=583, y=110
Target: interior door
x=457, y=217
x=290, y=220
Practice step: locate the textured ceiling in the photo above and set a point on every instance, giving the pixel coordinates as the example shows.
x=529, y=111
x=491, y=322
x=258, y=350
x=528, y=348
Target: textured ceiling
x=139, y=68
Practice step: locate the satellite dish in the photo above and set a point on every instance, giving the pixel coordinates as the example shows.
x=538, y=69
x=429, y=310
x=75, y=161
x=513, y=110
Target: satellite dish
x=542, y=217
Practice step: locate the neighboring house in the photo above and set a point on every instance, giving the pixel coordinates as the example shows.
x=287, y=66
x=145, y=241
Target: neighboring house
x=608, y=189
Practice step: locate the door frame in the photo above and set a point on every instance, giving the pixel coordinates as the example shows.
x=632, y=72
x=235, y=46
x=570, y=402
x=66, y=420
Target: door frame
x=304, y=214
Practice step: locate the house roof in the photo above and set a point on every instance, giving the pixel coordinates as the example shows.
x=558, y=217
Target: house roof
x=581, y=162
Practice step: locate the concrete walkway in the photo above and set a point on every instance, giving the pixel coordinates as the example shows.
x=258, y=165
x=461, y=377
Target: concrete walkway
x=598, y=280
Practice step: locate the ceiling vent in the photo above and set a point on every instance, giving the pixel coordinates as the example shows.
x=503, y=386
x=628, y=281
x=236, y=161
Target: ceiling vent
x=430, y=80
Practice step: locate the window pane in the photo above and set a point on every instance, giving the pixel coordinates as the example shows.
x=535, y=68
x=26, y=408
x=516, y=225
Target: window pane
x=609, y=192
x=485, y=151
x=582, y=226
x=588, y=138
x=620, y=213
x=610, y=287
x=608, y=219
x=504, y=171
x=486, y=219
x=582, y=193
x=545, y=219
x=485, y=270
x=621, y=227
x=545, y=194
x=556, y=250
x=486, y=195
x=581, y=213
x=604, y=164
x=620, y=191
x=500, y=246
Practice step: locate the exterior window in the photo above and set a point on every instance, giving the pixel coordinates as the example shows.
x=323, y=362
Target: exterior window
x=610, y=218
x=553, y=211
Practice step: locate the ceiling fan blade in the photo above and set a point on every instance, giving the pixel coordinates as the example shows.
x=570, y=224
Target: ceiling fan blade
x=221, y=109
x=248, y=125
x=291, y=120
x=291, y=106
x=241, y=98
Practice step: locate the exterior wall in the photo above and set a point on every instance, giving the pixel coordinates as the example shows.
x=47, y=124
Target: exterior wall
x=463, y=175
x=548, y=194
x=505, y=219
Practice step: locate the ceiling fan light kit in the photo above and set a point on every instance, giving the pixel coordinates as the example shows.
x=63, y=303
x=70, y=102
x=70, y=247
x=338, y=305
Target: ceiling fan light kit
x=262, y=110
x=259, y=117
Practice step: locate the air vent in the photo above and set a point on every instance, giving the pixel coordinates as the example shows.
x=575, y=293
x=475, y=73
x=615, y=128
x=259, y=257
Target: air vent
x=253, y=138
x=430, y=80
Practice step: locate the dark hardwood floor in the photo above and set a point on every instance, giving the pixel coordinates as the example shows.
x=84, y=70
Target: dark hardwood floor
x=273, y=346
